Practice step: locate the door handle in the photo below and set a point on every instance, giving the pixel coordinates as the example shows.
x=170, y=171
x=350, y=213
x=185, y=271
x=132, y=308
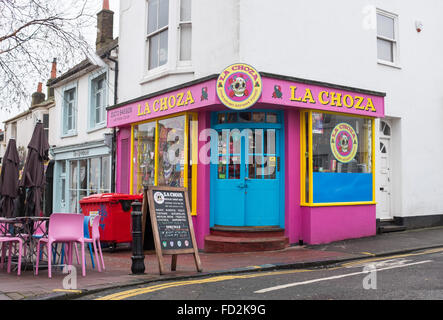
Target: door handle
x=382, y=189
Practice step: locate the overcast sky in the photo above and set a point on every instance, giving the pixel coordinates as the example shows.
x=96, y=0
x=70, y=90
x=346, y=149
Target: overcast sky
x=90, y=35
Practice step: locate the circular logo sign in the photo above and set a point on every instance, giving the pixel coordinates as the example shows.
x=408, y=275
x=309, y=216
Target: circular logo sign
x=344, y=142
x=159, y=197
x=239, y=86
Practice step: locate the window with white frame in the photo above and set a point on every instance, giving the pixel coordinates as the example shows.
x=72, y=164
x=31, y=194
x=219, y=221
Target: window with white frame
x=387, y=37
x=46, y=125
x=169, y=34
x=157, y=37
x=185, y=30
x=86, y=177
x=69, y=108
x=98, y=101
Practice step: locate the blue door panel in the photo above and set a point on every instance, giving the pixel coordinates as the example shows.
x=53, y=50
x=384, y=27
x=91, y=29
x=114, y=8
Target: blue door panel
x=248, y=199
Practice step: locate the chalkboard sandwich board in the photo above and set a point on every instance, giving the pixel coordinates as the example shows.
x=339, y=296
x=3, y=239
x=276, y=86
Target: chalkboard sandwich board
x=172, y=226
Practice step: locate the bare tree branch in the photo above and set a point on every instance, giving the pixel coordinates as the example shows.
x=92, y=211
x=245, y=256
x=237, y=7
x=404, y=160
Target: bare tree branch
x=32, y=33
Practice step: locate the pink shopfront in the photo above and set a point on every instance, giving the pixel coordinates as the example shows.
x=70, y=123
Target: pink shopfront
x=262, y=155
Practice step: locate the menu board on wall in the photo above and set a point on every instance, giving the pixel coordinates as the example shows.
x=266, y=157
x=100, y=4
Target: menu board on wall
x=172, y=224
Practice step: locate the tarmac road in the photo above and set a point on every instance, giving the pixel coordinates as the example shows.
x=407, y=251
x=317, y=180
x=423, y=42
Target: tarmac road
x=416, y=275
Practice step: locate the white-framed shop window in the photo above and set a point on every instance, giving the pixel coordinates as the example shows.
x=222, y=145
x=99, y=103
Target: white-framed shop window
x=85, y=177
x=387, y=38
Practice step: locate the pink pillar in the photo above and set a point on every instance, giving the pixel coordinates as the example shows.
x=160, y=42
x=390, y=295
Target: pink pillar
x=292, y=176
x=123, y=160
x=201, y=221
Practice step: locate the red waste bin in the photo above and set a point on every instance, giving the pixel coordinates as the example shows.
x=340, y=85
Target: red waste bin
x=114, y=210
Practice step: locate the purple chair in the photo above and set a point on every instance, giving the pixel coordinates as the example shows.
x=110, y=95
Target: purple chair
x=95, y=240
x=63, y=228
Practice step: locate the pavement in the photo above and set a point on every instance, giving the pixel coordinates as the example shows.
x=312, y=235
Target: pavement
x=118, y=265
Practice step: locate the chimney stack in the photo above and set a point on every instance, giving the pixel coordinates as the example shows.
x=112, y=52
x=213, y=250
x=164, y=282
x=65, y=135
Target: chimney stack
x=38, y=96
x=105, y=26
x=54, y=69
x=53, y=76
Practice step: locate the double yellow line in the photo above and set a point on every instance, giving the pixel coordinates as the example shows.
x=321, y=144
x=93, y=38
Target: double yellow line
x=135, y=292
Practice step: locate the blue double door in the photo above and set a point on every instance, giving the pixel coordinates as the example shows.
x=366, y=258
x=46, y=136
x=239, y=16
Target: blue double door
x=246, y=187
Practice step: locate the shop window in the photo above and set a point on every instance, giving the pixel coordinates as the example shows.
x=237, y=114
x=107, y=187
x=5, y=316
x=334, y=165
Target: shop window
x=338, y=158
x=86, y=177
x=248, y=117
x=164, y=153
x=171, y=158
x=144, y=151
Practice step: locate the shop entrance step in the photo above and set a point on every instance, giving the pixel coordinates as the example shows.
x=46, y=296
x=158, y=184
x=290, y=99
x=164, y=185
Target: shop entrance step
x=390, y=226
x=245, y=239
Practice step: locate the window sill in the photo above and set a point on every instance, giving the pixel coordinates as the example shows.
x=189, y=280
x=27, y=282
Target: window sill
x=69, y=135
x=157, y=74
x=389, y=64
x=96, y=128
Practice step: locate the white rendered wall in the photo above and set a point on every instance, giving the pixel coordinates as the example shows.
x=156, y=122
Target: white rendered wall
x=84, y=134
x=328, y=41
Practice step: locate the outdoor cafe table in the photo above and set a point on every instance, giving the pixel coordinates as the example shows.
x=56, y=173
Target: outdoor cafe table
x=24, y=227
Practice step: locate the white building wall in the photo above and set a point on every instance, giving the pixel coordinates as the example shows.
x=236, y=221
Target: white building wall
x=330, y=41
x=25, y=127
x=83, y=113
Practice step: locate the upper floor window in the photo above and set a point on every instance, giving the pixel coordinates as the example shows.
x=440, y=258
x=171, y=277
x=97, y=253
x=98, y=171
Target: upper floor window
x=387, y=37
x=158, y=23
x=185, y=27
x=14, y=130
x=98, y=101
x=169, y=34
x=69, y=107
x=46, y=125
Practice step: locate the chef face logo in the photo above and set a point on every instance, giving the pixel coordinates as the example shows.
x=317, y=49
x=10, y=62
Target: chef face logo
x=344, y=142
x=159, y=197
x=239, y=86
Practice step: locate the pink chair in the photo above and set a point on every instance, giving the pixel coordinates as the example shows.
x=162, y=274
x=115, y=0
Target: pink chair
x=95, y=240
x=63, y=228
x=11, y=240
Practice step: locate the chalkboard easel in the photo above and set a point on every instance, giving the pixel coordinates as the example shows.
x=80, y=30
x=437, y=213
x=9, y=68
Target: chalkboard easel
x=172, y=226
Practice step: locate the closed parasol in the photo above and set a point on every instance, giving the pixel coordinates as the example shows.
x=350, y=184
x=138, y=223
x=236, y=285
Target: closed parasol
x=33, y=177
x=9, y=179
